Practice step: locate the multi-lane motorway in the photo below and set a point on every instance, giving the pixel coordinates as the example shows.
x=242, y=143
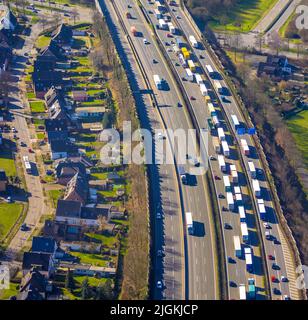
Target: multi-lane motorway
x=201, y=265
x=189, y=267
x=281, y=251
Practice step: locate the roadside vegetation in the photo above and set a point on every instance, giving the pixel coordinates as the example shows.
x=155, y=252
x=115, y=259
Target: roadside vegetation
x=230, y=15
x=134, y=258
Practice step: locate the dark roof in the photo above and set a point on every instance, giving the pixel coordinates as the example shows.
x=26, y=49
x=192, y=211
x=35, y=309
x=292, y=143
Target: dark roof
x=61, y=145
x=68, y=208
x=34, y=286
x=113, y=175
x=2, y=175
x=77, y=185
x=52, y=51
x=68, y=168
x=53, y=95
x=32, y=259
x=81, y=158
x=12, y=18
x=94, y=212
x=55, y=125
x=62, y=34
x=43, y=244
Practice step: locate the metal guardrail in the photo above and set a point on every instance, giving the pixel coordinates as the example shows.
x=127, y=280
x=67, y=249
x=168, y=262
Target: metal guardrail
x=286, y=230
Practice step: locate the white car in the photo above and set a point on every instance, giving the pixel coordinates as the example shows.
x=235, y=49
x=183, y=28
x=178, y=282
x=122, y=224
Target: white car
x=158, y=215
x=160, y=136
x=145, y=41
x=285, y=297
x=266, y=225
x=159, y=284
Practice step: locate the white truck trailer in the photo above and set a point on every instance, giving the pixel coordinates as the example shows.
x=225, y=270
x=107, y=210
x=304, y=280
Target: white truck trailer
x=189, y=223
x=244, y=231
x=237, y=246
x=193, y=41
x=252, y=169
x=221, y=134
x=158, y=82
x=245, y=146
x=225, y=148
x=221, y=162
x=256, y=187
x=230, y=201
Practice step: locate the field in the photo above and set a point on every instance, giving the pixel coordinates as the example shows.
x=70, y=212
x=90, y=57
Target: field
x=9, y=213
x=299, y=128
x=7, y=163
x=37, y=106
x=244, y=16
x=7, y=293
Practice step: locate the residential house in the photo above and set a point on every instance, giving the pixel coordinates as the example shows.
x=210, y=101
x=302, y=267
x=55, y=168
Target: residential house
x=43, y=261
x=43, y=80
x=45, y=245
x=74, y=214
x=276, y=66
x=89, y=112
x=63, y=35
x=80, y=96
x=52, y=95
x=67, y=169
x=3, y=181
x=52, y=52
x=34, y=286
x=88, y=163
x=77, y=189
x=8, y=21
x=60, y=149
x=56, y=129
x=114, y=177
x=5, y=55
x=89, y=270
x=103, y=185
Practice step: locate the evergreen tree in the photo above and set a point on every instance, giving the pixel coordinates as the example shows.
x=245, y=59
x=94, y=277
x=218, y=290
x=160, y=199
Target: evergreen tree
x=85, y=289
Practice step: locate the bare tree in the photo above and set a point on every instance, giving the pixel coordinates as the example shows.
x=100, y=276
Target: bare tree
x=75, y=15
x=102, y=222
x=275, y=42
x=5, y=80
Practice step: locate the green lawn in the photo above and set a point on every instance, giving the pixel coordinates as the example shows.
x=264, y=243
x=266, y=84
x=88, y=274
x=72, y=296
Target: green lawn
x=7, y=162
x=55, y=195
x=42, y=41
x=106, y=240
x=40, y=135
x=9, y=213
x=7, y=293
x=244, y=16
x=299, y=128
x=90, y=258
x=30, y=95
x=37, y=106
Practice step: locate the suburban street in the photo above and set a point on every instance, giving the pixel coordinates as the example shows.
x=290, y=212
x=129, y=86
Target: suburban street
x=36, y=204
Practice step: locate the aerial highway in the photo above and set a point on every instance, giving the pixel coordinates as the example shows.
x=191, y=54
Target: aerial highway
x=236, y=268
x=201, y=266
x=277, y=247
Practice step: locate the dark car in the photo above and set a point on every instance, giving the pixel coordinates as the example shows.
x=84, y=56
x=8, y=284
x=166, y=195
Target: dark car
x=232, y=284
x=228, y=226
x=275, y=266
x=221, y=196
x=277, y=291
